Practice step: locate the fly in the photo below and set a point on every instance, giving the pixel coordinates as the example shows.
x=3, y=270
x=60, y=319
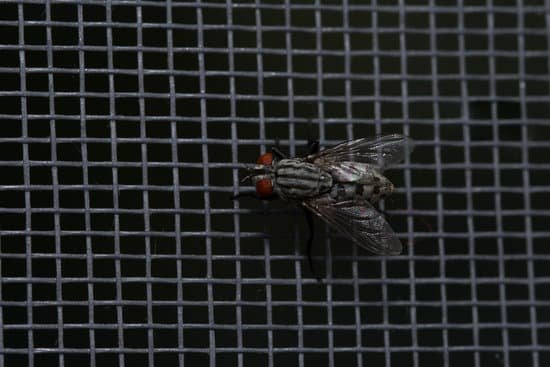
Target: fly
x=340, y=185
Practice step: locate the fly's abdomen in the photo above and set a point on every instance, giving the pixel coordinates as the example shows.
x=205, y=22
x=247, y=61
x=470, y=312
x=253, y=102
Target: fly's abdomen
x=296, y=179
x=371, y=192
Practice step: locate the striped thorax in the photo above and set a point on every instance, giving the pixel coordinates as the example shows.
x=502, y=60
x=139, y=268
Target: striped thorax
x=296, y=179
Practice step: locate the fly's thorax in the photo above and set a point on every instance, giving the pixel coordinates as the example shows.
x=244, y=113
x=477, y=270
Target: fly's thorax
x=296, y=179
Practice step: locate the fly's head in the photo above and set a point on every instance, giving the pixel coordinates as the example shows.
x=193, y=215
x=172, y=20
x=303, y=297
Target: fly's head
x=262, y=175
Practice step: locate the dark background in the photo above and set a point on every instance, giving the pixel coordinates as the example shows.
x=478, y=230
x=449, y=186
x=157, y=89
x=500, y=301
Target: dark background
x=122, y=127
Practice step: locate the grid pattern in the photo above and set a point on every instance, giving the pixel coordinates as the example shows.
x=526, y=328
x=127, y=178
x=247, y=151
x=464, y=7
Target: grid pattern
x=123, y=125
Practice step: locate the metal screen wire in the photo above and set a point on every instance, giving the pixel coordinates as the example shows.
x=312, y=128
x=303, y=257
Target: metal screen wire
x=123, y=125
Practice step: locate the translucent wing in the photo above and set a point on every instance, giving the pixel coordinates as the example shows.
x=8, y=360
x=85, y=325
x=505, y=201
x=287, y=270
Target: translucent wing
x=359, y=221
x=350, y=171
x=381, y=151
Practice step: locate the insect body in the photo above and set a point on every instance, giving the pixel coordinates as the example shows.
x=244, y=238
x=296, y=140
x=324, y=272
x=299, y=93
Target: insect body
x=339, y=185
x=298, y=180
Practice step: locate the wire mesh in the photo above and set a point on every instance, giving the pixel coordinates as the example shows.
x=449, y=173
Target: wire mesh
x=123, y=125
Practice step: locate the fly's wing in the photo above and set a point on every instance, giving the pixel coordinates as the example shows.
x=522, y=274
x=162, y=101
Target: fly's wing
x=381, y=151
x=359, y=221
x=349, y=171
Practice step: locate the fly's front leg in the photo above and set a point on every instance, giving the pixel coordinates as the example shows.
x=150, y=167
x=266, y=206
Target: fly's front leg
x=253, y=195
x=276, y=151
x=280, y=155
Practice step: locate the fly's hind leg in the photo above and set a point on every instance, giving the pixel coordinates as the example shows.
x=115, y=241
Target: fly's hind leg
x=309, y=218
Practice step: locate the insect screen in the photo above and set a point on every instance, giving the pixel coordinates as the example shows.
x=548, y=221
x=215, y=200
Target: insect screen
x=123, y=127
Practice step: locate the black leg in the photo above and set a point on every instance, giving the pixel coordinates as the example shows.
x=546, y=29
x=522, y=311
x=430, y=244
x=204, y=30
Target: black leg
x=280, y=155
x=313, y=146
x=309, y=218
x=253, y=195
x=243, y=194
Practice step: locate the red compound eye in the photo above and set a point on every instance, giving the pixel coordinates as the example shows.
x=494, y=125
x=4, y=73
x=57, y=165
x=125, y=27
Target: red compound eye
x=266, y=159
x=264, y=188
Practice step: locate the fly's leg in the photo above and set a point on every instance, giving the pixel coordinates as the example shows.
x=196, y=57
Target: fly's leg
x=312, y=144
x=242, y=195
x=277, y=152
x=309, y=219
x=313, y=148
x=253, y=195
